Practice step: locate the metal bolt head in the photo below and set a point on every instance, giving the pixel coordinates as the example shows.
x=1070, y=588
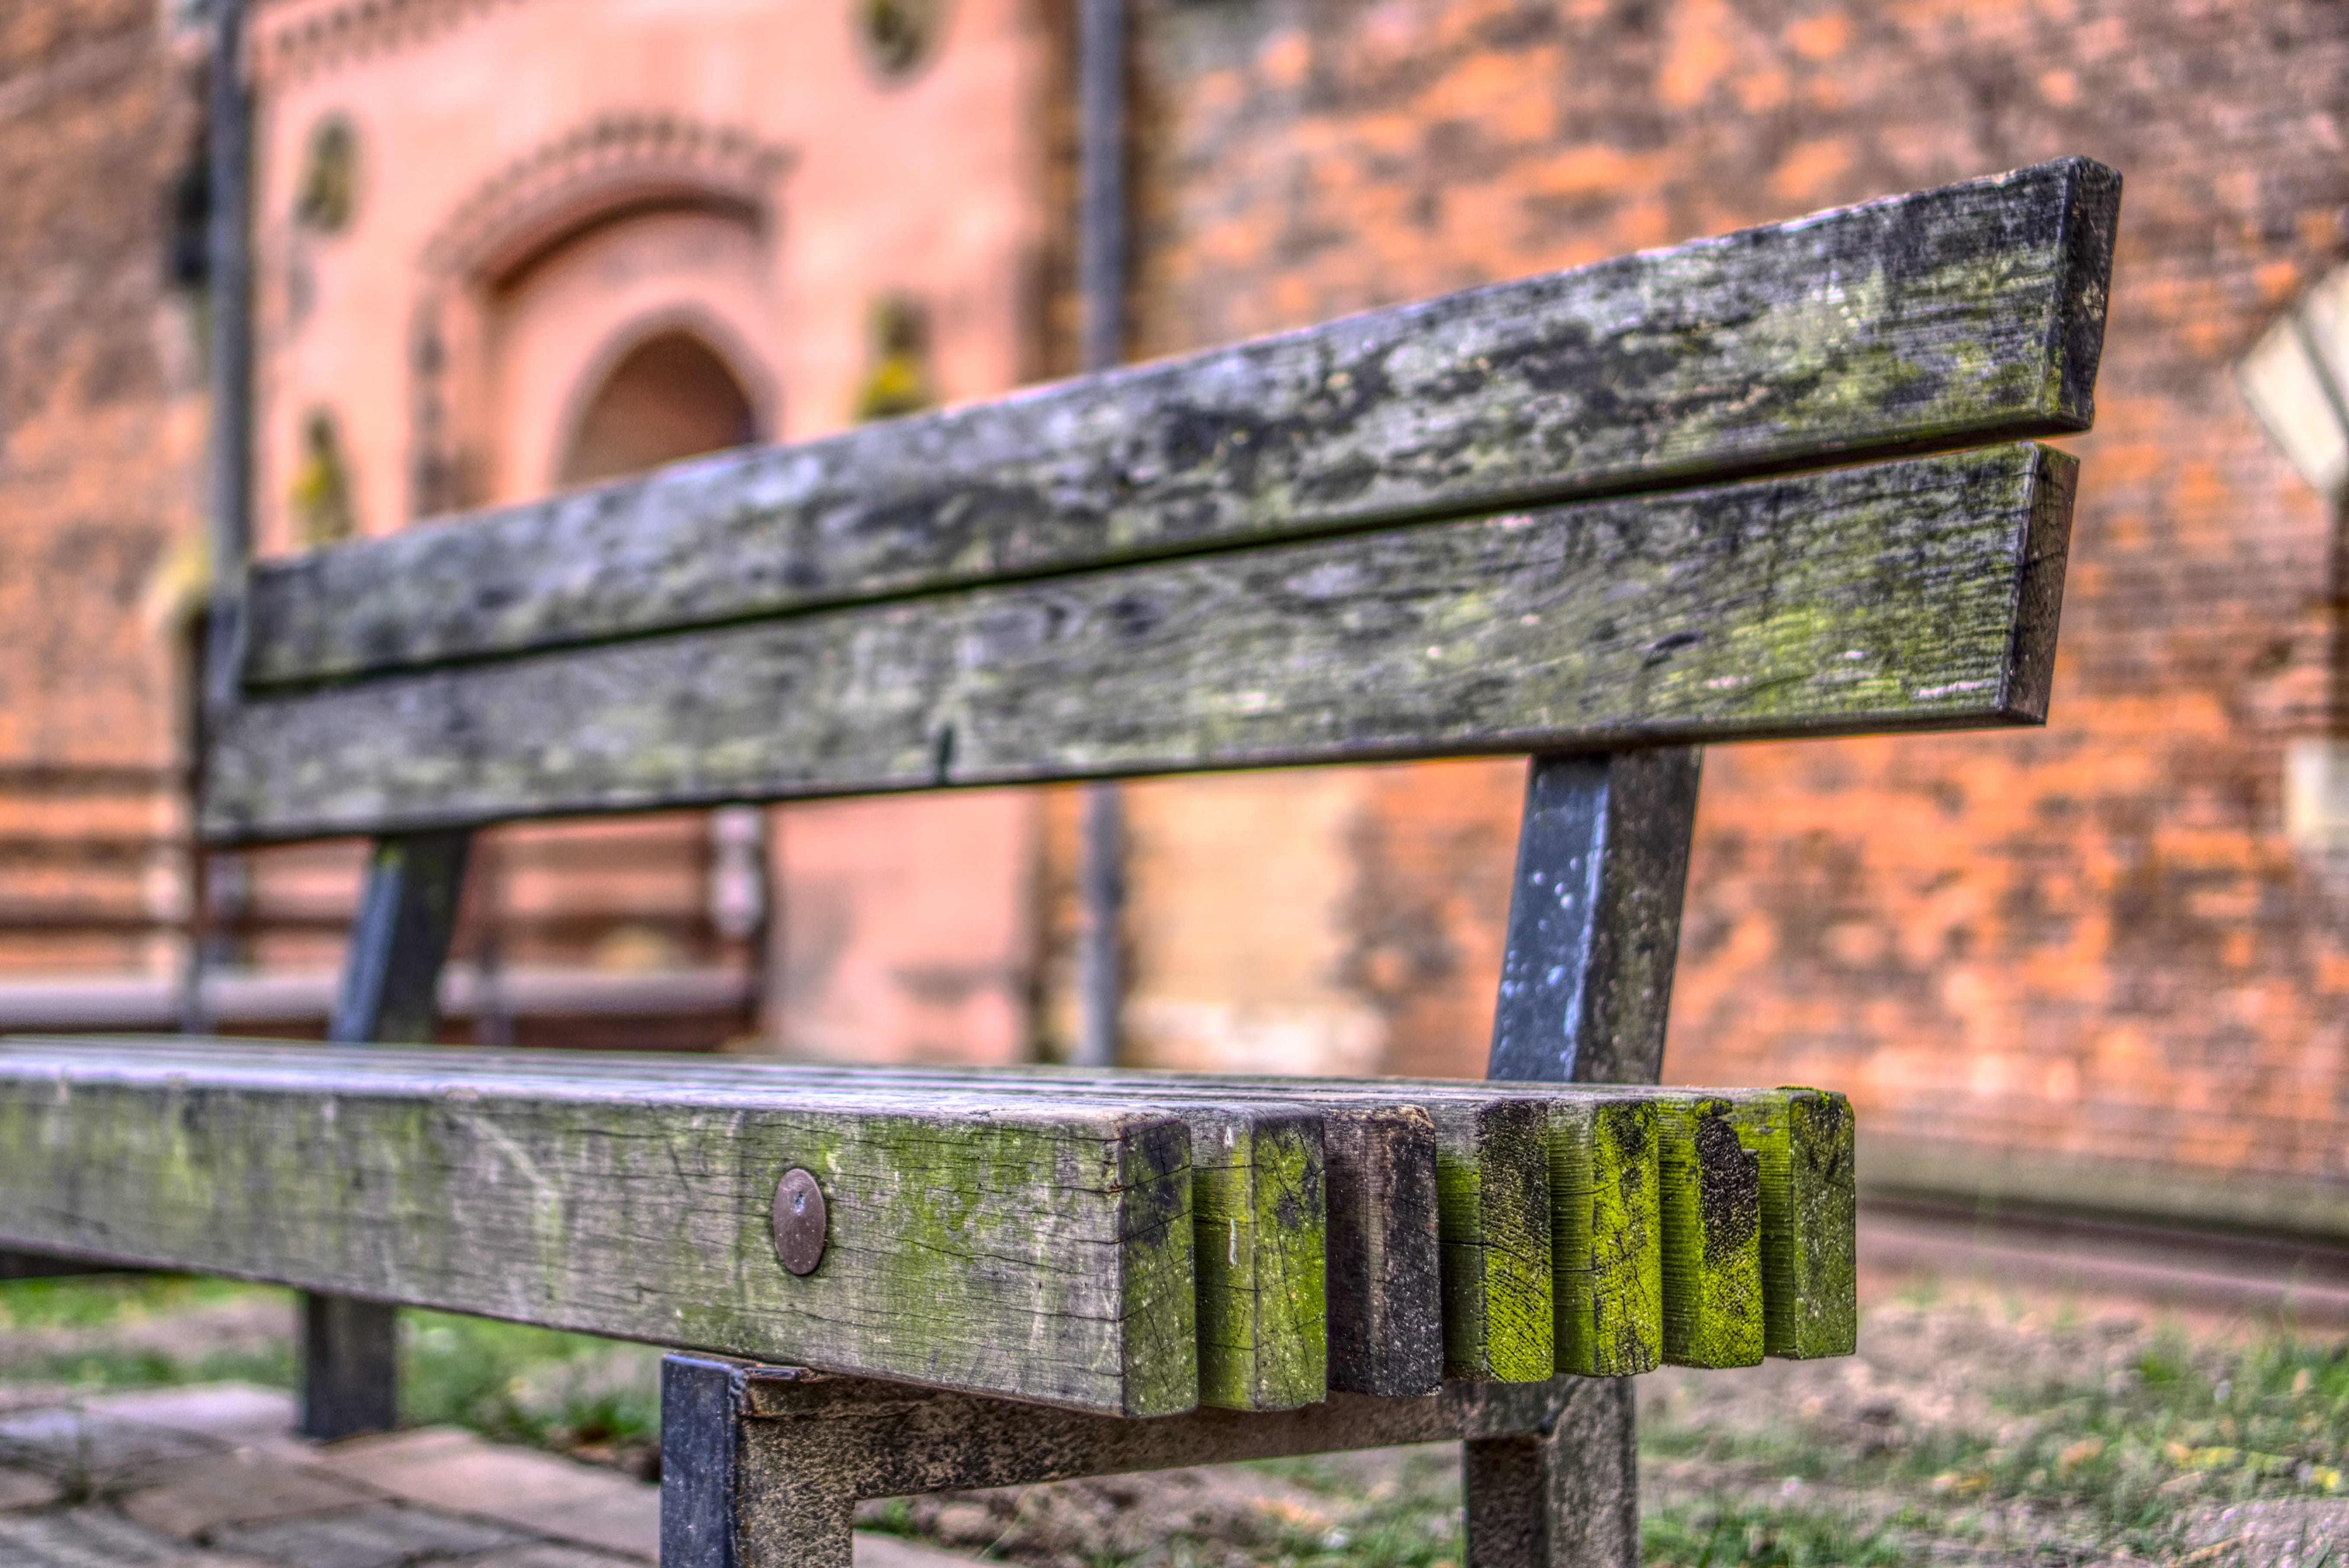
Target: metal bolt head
x=798, y=1222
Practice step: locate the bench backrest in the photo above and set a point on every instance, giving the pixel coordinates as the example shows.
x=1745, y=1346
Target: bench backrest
x=1712, y=492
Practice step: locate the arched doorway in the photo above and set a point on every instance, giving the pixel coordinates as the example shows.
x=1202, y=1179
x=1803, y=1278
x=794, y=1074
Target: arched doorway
x=670, y=397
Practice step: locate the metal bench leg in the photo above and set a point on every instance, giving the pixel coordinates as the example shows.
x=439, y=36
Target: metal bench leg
x=761, y=1467
x=349, y=1367
x=1567, y=1497
x=390, y=991
x=720, y=1511
x=1585, y=989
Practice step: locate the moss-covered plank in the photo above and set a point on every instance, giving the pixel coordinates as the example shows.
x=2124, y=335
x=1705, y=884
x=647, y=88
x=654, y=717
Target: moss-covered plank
x=1711, y=1204
x=1911, y=594
x=1606, y=1196
x=1953, y=316
x=1259, y=1216
x=1810, y=1202
x=1040, y=1250
x=1492, y=1176
x=1289, y=1191
x=1264, y=1196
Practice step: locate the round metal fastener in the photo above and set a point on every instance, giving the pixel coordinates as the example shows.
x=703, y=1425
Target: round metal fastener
x=798, y=1222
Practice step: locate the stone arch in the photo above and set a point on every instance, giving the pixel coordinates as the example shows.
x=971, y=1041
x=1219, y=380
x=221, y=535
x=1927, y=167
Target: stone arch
x=621, y=174
x=669, y=393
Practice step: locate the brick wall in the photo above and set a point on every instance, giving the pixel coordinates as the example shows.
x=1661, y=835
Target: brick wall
x=101, y=432
x=2091, y=940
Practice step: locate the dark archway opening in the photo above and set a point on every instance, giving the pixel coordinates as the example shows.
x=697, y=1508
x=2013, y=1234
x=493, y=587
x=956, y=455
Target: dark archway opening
x=670, y=397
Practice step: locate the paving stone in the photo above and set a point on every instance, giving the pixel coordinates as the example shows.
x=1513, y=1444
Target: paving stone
x=546, y=1555
x=26, y=1489
x=98, y=1449
x=234, y=1413
x=874, y=1551
x=98, y=1537
x=445, y=1469
x=380, y=1537
x=196, y=1497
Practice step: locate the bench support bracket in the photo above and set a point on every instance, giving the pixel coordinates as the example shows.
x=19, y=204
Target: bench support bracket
x=763, y=1467
x=1586, y=990
x=390, y=991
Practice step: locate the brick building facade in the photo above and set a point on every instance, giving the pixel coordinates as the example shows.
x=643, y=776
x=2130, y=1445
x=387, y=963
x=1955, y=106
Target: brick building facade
x=2095, y=947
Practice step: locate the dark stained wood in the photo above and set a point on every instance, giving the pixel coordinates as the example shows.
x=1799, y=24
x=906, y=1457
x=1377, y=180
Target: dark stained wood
x=1040, y=1251
x=1961, y=315
x=1912, y=594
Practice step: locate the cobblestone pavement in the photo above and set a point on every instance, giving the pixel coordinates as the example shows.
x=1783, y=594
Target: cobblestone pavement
x=211, y=1477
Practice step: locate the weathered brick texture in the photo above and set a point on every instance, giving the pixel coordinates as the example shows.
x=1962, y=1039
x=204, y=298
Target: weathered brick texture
x=2094, y=939
x=101, y=433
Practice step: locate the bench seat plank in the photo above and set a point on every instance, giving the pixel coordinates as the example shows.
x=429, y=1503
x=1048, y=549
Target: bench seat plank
x=1949, y=317
x=1479, y=1201
x=1912, y=594
x=1038, y=1250
x=1259, y=1217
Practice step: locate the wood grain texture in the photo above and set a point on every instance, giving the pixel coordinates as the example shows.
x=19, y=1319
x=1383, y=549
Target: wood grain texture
x=1259, y=1219
x=1315, y=1216
x=1607, y=1230
x=1966, y=314
x=1711, y=1203
x=1040, y=1251
x=1810, y=1209
x=1492, y=1176
x=1904, y=595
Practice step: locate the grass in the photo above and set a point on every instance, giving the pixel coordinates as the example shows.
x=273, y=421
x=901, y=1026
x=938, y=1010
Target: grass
x=594, y=1398
x=2126, y=1447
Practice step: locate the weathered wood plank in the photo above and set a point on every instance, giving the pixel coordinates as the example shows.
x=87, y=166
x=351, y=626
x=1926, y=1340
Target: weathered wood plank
x=1039, y=1249
x=1715, y=1309
x=1810, y=1212
x=1607, y=1220
x=1486, y=1208
x=1492, y=1175
x=1966, y=314
x=1912, y=594
x=1317, y=1252
x=1259, y=1217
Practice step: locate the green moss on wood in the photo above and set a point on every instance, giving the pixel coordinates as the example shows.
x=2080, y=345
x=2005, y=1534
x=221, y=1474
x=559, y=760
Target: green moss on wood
x=1491, y=1172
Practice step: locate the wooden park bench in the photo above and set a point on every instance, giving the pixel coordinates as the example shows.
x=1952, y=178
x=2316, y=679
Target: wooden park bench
x=1777, y=484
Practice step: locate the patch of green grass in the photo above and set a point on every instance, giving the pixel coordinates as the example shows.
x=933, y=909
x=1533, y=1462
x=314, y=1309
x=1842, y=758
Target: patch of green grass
x=53, y=1315
x=570, y=1392
x=1719, y=1535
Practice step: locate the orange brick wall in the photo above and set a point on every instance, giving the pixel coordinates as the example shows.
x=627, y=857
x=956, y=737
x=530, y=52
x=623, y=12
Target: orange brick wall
x=2094, y=939
x=101, y=433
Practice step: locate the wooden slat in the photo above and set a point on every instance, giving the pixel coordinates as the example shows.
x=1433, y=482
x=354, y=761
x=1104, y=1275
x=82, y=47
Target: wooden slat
x=1606, y=1222
x=1484, y=1206
x=1386, y=1328
x=1316, y=1218
x=1259, y=1217
x=1041, y=1249
x=1970, y=314
x=1715, y=1309
x=1913, y=595
x=1810, y=1209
